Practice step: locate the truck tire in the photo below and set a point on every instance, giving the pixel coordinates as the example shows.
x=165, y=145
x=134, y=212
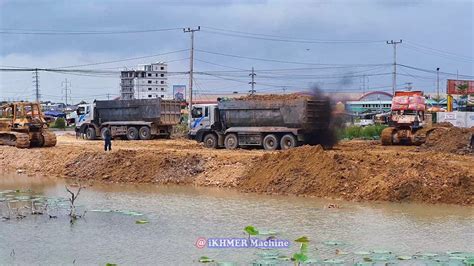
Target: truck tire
x=102, y=132
x=144, y=133
x=288, y=141
x=231, y=141
x=210, y=141
x=270, y=142
x=90, y=133
x=132, y=133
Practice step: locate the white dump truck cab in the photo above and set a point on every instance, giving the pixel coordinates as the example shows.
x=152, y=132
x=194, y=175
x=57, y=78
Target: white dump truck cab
x=203, y=116
x=85, y=114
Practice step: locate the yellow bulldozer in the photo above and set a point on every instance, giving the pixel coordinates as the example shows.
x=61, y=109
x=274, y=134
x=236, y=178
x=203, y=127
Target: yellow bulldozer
x=22, y=125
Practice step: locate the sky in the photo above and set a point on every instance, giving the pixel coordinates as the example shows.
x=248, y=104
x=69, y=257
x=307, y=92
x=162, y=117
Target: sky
x=292, y=45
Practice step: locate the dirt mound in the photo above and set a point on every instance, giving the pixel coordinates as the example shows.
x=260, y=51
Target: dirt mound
x=362, y=175
x=270, y=97
x=135, y=166
x=449, y=139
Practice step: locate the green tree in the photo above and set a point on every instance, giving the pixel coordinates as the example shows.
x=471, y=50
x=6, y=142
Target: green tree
x=60, y=123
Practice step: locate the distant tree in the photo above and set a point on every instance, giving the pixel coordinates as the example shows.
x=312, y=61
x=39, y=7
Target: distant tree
x=462, y=88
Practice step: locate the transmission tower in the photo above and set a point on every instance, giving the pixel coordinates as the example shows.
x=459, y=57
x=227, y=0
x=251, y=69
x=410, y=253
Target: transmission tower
x=36, y=84
x=252, y=83
x=66, y=91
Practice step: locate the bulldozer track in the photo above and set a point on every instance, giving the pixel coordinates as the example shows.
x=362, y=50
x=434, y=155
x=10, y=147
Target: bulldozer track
x=387, y=136
x=49, y=139
x=15, y=139
x=22, y=140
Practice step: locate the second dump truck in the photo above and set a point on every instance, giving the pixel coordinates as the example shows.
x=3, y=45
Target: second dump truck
x=130, y=119
x=271, y=123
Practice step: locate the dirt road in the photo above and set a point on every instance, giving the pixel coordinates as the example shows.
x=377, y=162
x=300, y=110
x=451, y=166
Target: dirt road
x=354, y=170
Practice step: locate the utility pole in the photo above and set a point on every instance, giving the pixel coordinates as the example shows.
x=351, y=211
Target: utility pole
x=108, y=96
x=36, y=84
x=252, y=83
x=191, y=68
x=394, y=78
x=437, y=84
x=66, y=90
x=409, y=86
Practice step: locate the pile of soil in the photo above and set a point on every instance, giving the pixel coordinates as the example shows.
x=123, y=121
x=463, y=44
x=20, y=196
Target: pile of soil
x=362, y=175
x=449, y=139
x=134, y=166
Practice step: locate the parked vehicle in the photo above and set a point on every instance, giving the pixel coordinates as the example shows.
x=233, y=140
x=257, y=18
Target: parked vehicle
x=271, y=123
x=130, y=119
x=364, y=122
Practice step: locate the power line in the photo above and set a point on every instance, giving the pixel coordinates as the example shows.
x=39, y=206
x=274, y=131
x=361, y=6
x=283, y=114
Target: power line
x=440, y=51
x=428, y=52
x=58, y=32
x=280, y=38
x=272, y=60
x=434, y=71
x=125, y=59
x=215, y=64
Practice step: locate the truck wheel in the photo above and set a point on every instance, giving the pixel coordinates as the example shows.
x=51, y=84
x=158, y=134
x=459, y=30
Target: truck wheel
x=90, y=133
x=270, y=142
x=132, y=133
x=145, y=133
x=210, y=141
x=288, y=141
x=103, y=131
x=231, y=142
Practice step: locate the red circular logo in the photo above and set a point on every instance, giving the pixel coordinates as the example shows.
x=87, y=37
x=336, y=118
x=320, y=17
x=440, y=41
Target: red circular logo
x=201, y=242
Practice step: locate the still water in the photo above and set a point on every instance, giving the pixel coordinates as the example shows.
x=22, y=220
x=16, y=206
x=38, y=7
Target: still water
x=179, y=215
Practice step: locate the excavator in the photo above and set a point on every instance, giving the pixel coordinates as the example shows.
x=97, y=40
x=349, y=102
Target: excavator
x=408, y=124
x=22, y=125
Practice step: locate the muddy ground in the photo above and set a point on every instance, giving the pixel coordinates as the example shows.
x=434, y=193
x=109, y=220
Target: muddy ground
x=353, y=170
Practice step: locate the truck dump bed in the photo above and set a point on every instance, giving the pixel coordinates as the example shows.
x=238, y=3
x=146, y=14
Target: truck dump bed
x=303, y=112
x=162, y=112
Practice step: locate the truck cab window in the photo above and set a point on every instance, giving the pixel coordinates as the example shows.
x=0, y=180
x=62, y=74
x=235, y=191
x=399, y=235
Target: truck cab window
x=206, y=111
x=197, y=112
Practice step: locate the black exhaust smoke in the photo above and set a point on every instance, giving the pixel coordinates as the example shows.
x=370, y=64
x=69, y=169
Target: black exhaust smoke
x=323, y=132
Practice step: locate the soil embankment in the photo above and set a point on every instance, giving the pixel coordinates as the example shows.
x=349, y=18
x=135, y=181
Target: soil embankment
x=365, y=174
x=354, y=170
x=449, y=139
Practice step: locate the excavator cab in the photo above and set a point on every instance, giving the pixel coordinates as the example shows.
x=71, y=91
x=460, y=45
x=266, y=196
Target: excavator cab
x=22, y=125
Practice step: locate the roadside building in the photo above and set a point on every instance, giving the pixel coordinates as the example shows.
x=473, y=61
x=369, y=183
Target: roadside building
x=370, y=103
x=148, y=82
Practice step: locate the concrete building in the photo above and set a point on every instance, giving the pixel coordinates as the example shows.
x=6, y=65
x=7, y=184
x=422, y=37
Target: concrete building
x=148, y=82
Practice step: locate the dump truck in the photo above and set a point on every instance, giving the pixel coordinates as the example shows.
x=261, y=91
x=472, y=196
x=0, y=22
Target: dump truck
x=128, y=119
x=269, y=123
x=408, y=122
x=22, y=125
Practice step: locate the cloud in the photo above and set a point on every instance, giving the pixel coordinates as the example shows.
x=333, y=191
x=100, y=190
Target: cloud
x=438, y=24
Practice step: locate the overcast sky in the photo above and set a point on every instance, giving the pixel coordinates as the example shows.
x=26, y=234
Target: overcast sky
x=434, y=33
